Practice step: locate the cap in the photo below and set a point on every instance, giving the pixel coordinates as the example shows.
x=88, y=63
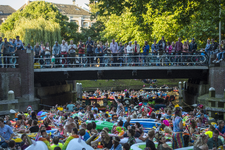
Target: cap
x=56, y=41
x=193, y=38
x=98, y=45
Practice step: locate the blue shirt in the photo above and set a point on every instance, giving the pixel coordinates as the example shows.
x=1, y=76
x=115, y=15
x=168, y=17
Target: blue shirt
x=94, y=108
x=12, y=49
x=86, y=136
x=223, y=130
x=207, y=48
x=89, y=46
x=119, y=147
x=19, y=43
x=97, y=51
x=176, y=122
x=154, y=47
x=6, y=132
x=70, y=107
x=146, y=50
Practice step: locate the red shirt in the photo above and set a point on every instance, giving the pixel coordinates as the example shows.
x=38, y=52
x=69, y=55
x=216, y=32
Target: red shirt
x=81, y=51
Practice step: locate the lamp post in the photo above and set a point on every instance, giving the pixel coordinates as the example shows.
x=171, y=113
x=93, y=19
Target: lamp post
x=220, y=22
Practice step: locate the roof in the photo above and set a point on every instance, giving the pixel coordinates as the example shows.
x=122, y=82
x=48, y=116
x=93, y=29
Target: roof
x=68, y=9
x=5, y=11
x=71, y=9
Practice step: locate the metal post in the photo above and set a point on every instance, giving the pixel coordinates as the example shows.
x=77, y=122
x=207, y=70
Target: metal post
x=220, y=23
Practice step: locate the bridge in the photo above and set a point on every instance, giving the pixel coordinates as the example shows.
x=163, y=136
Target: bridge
x=122, y=67
x=57, y=79
x=131, y=72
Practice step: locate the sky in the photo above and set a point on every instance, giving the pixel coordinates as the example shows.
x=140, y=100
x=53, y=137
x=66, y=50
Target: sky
x=16, y=4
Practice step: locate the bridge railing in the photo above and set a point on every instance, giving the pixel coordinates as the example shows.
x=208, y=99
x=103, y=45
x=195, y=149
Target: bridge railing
x=9, y=60
x=120, y=60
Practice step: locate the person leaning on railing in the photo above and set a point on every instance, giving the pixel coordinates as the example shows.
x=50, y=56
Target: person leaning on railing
x=37, y=51
x=192, y=46
x=72, y=52
x=136, y=48
x=6, y=52
x=56, y=52
x=81, y=48
x=90, y=50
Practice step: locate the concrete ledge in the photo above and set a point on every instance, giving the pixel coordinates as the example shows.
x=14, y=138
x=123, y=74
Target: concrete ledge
x=6, y=112
x=8, y=101
x=215, y=109
x=123, y=68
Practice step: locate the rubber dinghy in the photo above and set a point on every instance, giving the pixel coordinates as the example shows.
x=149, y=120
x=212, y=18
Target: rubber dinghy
x=142, y=146
x=101, y=124
x=147, y=124
x=143, y=119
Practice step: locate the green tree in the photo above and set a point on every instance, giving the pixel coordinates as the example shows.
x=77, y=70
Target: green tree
x=48, y=11
x=35, y=30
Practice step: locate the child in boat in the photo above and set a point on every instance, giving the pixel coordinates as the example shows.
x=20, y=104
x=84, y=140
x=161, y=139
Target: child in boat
x=168, y=132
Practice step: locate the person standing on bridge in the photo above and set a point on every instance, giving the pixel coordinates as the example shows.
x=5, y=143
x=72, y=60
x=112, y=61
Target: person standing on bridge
x=72, y=53
x=64, y=51
x=89, y=46
x=114, y=50
x=178, y=48
x=56, y=52
x=136, y=48
x=192, y=46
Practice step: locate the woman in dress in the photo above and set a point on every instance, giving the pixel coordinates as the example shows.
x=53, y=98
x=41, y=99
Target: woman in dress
x=178, y=141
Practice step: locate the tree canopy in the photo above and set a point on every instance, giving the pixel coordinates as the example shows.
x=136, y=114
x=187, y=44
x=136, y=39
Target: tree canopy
x=148, y=20
x=48, y=11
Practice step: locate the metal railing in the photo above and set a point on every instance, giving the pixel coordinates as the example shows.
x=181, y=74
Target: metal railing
x=121, y=60
x=8, y=60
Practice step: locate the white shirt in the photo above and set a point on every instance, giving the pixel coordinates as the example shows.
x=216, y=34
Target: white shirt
x=72, y=50
x=130, y=49
x=64, y=48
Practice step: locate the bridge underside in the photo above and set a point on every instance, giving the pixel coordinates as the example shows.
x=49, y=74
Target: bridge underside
x=161, y=72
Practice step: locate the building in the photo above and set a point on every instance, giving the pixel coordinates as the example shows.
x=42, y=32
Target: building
x=5, y=11
x=75, y=14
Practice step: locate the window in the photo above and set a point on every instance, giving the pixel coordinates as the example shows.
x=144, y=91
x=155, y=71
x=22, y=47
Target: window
x=77, y=9
x=75, y=21
x=1, y=12
x=85, y=25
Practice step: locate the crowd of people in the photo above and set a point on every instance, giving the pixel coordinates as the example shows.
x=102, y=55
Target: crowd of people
x=75, y=120
x=90, y=53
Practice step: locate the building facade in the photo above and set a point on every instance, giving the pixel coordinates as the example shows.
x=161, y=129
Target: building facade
x=76, y=14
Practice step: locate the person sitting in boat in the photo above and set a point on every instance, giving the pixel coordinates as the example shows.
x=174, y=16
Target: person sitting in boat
x=119, y=124
x=160, y=138
x=131, y=139
x=204, y=119
x=116, y=144
x=104, y=139
x=210, y=131
x=200, y=123
x=201, y=143
x=70, y=124
x=221, y=127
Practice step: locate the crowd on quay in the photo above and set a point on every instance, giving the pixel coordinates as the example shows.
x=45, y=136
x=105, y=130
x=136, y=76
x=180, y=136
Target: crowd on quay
x=118, y=52
x=181, y=129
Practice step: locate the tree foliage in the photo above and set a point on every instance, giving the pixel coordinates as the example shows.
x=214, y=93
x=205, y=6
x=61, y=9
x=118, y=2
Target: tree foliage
x=48, y=11
x=35, y=30
x=148, y=20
